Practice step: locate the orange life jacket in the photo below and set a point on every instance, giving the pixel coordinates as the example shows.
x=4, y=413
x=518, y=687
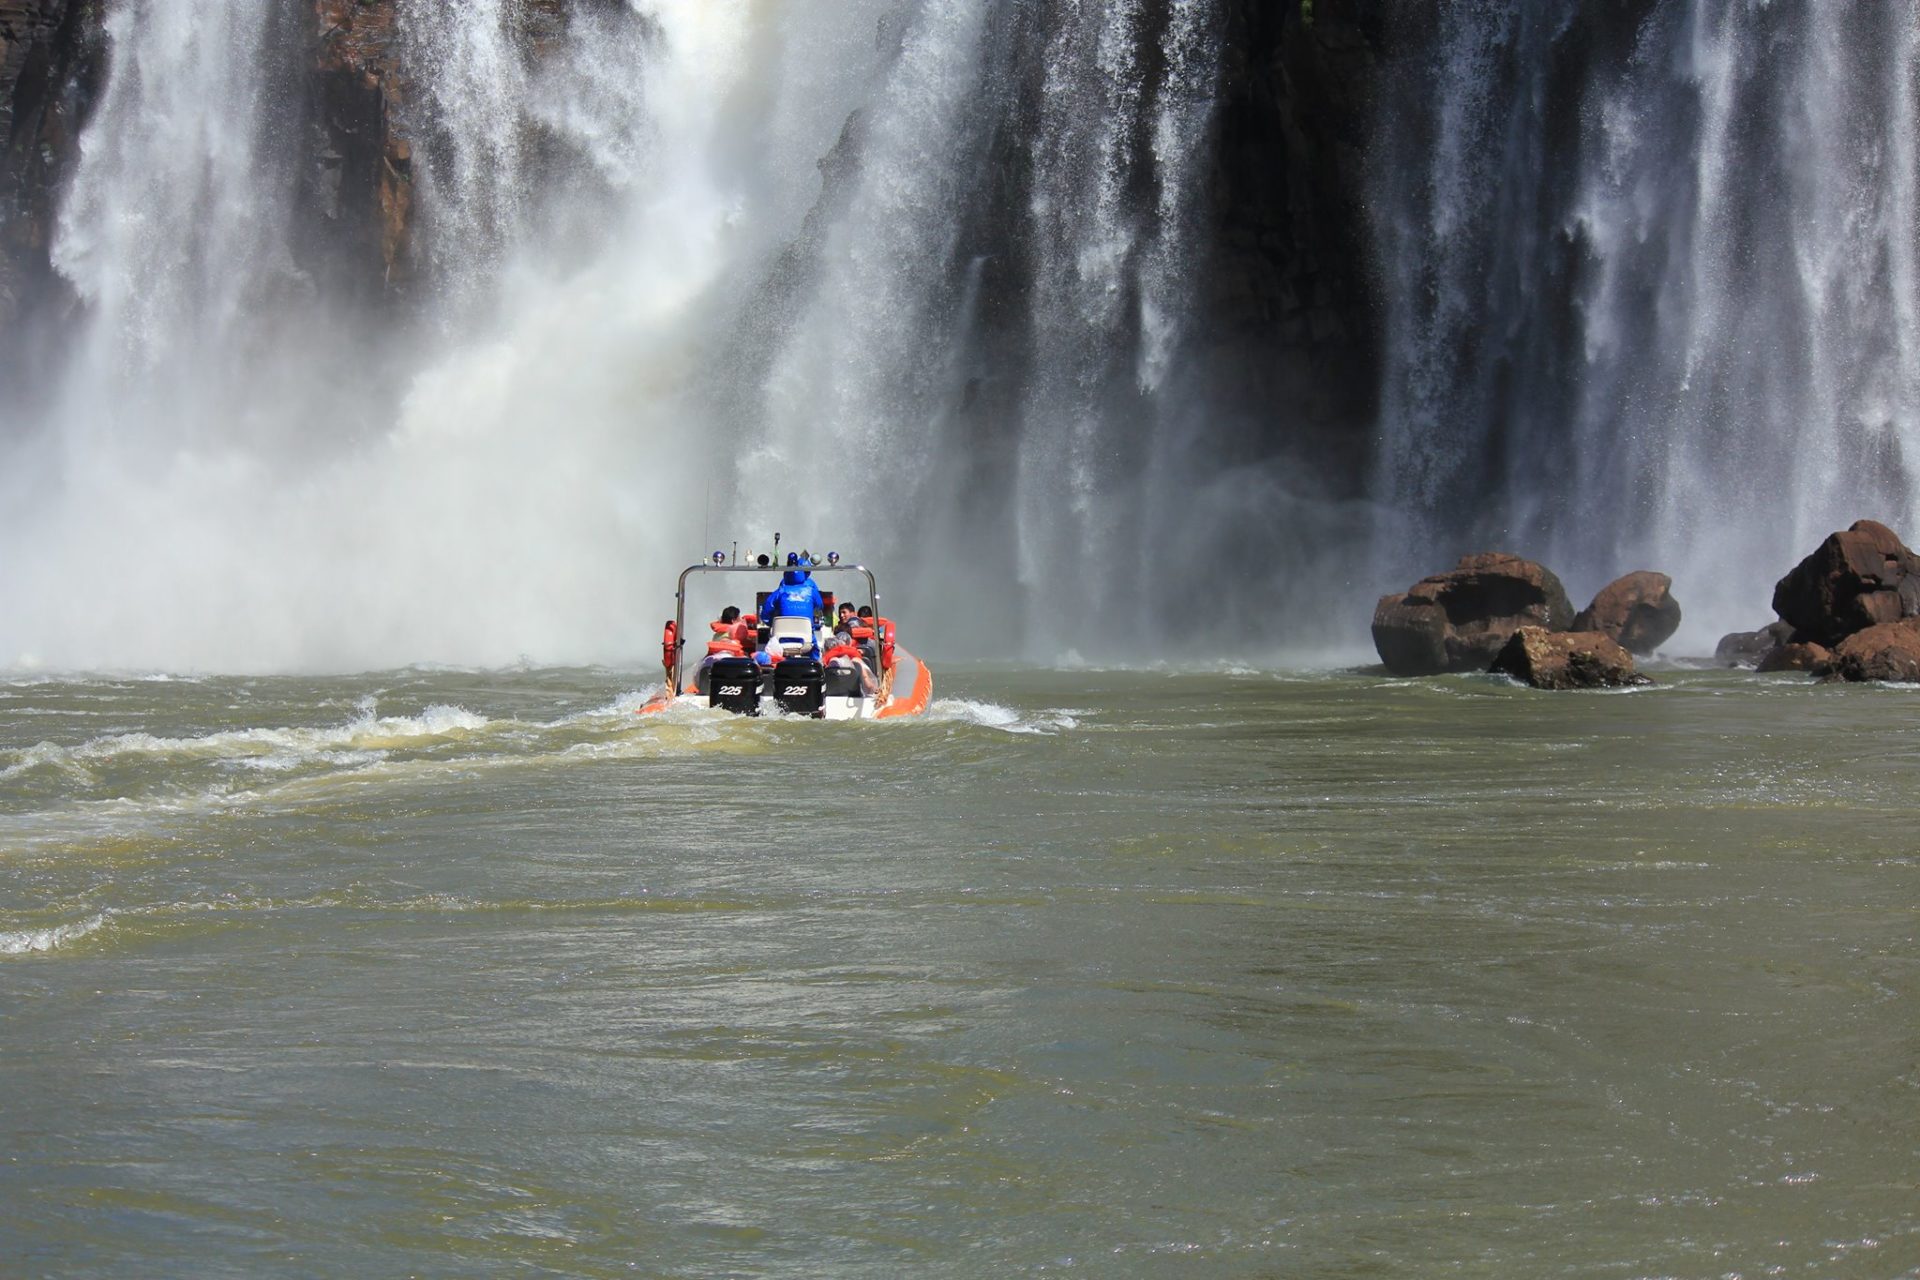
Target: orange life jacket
x=725, y=642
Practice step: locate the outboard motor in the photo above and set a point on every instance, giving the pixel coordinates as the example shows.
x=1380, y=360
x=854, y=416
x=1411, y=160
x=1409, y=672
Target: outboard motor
x=843, y=681
x=734, y=684
x=799, y=687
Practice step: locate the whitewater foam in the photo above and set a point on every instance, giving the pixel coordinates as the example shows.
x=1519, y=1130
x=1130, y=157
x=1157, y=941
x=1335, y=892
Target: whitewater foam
x=368, y=735
x=20, y=942
x=991, y=715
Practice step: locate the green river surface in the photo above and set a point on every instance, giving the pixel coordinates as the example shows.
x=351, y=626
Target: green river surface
x=1127, y=973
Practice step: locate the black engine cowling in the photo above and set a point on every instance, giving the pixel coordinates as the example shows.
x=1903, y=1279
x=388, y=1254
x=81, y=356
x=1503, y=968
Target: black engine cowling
x=799, y=686
x=843, y=681
x=734, y=683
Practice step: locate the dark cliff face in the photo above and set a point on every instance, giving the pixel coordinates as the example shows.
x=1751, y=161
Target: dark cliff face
x=358, y=173
x=51, y=65
x=1287, y=338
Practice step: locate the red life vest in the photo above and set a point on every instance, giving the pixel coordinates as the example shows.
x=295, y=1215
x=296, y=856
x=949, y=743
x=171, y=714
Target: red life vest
x=725, y=640
x=886, y=644
x=841, y=651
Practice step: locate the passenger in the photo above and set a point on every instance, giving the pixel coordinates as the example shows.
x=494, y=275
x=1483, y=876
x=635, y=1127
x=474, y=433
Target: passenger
x=798, y=596
x=863, y=635
x=843, y=652
x=845, y=621
x=725, y=644
x=726, y=635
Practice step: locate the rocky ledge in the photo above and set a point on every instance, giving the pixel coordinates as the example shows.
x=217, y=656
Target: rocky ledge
x=1849, y=611
x=1458, y=620
x=1884, y=651
x=1566, y=660
x=1467, y=618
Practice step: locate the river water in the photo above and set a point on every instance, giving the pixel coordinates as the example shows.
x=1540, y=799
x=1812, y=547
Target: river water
x=1106, y=973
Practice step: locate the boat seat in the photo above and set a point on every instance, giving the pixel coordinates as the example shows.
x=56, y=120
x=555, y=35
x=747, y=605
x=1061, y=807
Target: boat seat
x=790, y=635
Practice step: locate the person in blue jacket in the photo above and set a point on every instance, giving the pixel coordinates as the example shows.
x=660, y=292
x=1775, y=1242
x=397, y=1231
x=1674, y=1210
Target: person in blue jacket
x=797, y=596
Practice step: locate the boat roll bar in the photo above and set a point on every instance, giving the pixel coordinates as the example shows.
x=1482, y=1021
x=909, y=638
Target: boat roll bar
x=680, y=598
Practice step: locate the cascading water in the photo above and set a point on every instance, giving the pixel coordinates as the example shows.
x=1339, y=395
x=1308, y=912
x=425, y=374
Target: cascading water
x=1113, y=225
x=1651, y=291
x=915, y=279
x=648, y=323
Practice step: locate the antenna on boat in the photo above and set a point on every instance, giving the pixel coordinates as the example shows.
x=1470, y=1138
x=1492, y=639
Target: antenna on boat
x=736, y=551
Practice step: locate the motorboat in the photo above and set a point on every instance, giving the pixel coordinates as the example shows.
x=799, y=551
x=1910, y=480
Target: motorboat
x=752, y=665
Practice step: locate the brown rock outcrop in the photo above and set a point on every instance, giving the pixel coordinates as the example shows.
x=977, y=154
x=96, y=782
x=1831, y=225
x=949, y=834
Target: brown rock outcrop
x=1458, y=620
x=1887, y=651
x=1566, y=660
x=1813, y=658
x=1638, y=611
x=360, y=182
x=1856, y=579
x=1748, y=648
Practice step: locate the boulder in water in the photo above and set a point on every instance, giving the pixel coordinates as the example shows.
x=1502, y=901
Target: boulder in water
x=1410, y=634
x=1750, y=648
x=1887, y=651
x=1458, y=620
x=1798, y=656
x=1566, y=660
x=1856, y=579
x=1638, y=611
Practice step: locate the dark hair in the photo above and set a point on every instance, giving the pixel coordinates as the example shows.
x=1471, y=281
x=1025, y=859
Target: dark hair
x=866, y=611
x=845, y=605
x=730, y=614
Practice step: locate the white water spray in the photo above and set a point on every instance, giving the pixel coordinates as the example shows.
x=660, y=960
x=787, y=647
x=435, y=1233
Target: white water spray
x=528, y=494
x=646, y=299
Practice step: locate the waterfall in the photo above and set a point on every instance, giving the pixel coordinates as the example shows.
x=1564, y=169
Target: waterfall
x=915, y=280
x=175, y=229
x=972, y=376
x=1650, y=291
x=901, y=277
x=1107, y=299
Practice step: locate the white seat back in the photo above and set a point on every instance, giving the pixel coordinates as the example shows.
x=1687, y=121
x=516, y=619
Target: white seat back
x=790, y=633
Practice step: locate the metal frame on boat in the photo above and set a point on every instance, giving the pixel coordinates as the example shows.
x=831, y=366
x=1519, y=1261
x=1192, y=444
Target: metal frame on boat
x=831, y=699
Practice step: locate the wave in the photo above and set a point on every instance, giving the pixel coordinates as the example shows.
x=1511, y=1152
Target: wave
x=283, y=748
x=20, y=942
x=78, y=797
x=991, y=715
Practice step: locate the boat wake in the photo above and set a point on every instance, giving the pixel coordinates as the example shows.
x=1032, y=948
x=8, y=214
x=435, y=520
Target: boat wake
x=991, y=715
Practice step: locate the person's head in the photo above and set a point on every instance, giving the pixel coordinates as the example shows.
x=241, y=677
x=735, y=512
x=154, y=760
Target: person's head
x=794, y=577
x=846, y=610
x=843, y=636
x=866, y=611
x=730, y=614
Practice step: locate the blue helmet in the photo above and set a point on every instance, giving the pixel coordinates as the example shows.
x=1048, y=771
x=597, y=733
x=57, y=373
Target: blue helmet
x=793, y=558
